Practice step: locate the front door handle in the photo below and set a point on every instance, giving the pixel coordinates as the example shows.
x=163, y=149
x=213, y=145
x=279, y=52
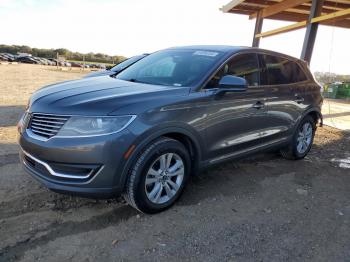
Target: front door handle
x=258, y=105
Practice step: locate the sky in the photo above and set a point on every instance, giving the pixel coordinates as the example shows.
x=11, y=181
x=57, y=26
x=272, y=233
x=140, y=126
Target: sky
x=131, y=27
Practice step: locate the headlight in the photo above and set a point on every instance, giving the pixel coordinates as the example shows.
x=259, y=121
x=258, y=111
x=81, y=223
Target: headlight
x=23, y=122
x=94, y=126
x=28, y=104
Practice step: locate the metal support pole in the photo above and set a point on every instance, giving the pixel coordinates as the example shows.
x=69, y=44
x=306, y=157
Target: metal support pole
x=311, y=31
x=257, y=30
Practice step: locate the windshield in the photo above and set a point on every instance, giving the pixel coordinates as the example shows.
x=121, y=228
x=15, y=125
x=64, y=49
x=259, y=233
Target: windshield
x=119, y=67
x=172, y=67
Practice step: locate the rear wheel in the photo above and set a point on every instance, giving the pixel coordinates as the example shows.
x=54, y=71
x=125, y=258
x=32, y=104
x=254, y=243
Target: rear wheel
x=158, y=176
x=302, y=140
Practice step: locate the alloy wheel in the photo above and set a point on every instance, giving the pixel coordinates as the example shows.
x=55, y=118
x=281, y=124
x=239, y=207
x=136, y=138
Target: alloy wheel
x=304, y=138
x=164, y=178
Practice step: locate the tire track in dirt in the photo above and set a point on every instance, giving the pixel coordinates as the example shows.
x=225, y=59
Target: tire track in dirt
x=13, y=253
x=28, y=203
x=48, y=201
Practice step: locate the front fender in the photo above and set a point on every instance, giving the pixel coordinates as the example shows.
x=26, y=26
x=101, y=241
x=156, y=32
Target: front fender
x=153, y=133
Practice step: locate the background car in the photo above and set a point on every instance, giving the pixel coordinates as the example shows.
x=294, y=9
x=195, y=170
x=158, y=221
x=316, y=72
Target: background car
x=7, y=57
x=75, y=64
x=3, y=58
x=28, y=60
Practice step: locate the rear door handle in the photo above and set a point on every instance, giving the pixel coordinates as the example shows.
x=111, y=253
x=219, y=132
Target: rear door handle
x=299, y=99
x=258, y=105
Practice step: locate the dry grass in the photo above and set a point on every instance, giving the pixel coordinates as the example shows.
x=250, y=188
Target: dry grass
x=17, y=84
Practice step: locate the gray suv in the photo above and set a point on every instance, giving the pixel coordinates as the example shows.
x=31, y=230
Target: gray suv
x=143, y=132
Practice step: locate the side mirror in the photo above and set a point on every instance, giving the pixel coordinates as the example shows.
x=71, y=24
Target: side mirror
x=229, y=83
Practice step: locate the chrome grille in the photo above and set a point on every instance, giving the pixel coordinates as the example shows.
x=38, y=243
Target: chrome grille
x=46, y=125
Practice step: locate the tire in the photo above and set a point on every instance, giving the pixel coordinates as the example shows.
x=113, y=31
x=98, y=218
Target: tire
x=148, y=166
x=292, y=151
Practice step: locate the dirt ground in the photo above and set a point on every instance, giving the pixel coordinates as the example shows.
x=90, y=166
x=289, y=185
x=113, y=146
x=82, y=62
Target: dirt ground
x=336, y=113
x=260, y=209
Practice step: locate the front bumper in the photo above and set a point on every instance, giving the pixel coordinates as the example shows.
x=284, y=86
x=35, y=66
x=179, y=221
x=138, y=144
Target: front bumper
x=89, y=167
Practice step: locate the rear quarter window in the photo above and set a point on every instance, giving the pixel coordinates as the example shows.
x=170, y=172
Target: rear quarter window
x=281, y=71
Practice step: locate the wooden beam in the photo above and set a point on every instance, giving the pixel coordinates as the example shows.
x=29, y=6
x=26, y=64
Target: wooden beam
x=283, y=29
x=336, y=4
x=240, y=12
x=226, y=8
x=329, y=6
x=301, y=11
x=254, y=5
x=295, y=26
x=339, y=1
x=342, y=23
x=331, y=16
x=279, y=7
x=291, y=17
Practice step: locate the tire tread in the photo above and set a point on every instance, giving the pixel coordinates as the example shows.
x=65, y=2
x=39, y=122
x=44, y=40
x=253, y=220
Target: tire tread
x=289, y=151
x=129, y=193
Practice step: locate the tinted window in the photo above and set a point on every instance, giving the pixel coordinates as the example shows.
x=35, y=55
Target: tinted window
x=162, y=68
x=119, y=67
x=282, y=71
x=174, y=67
x=244, y=65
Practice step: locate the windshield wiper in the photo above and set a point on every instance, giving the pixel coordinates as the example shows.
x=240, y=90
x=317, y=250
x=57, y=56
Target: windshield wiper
x=134, y=80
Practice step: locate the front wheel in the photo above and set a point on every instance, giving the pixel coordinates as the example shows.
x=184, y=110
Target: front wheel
x=302, y=140
x=158, y=176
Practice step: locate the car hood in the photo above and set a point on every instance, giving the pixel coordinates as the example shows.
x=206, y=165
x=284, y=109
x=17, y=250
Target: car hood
x=100, y=73
x=99, y=96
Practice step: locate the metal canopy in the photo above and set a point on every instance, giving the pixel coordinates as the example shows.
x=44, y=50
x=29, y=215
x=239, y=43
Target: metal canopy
x=305, y=13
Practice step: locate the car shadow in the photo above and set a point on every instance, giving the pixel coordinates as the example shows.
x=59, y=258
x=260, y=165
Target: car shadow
x=10, y=115
x=334, y=115
x=244, y=176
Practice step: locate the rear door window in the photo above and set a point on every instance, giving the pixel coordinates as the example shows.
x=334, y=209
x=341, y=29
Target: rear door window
x=281, y=71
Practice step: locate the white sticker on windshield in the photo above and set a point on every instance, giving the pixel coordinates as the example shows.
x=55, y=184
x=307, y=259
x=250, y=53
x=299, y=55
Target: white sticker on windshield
x=205, y=53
